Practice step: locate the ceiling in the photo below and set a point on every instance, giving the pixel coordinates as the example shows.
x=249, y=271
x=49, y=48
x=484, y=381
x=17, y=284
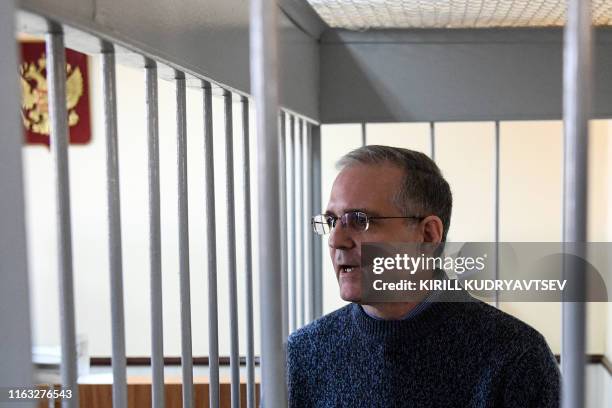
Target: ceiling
x=364, y=14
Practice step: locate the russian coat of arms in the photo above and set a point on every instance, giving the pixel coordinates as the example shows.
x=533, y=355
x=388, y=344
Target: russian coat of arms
x=34, y=94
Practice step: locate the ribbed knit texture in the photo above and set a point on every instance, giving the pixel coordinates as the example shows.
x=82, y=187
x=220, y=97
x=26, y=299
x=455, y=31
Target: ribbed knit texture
x=456, y=353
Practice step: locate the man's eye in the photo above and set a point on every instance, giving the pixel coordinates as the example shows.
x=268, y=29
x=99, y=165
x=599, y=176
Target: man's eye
x=360, y=219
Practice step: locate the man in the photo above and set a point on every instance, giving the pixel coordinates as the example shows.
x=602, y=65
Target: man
x=447, y=351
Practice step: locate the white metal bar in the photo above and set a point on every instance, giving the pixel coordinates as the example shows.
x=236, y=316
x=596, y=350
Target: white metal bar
x=307, y=232
x=496, y=204
x=248, y=275
x=231, y=250
x=15, y=337
x=317, y=256
x=364, y=134
x=51, y=401
x=299, y=219
x=157, y=326
x=211, y=248
x=282, y=152
x=291, y=220
x=577, y=88
x=432, y=141
x=264, y=83
x=183, y=221
x=114, y=226
x=56, y=82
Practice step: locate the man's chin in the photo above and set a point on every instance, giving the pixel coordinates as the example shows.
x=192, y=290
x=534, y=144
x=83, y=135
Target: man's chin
x=350, y=296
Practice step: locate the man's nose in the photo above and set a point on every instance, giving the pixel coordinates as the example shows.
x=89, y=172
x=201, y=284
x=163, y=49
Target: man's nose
x=341, y=237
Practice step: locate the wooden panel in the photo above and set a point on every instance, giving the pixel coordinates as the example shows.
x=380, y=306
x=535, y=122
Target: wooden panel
x=139, y=395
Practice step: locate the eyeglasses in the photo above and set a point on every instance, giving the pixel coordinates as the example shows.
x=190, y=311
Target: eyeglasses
x=357, y=221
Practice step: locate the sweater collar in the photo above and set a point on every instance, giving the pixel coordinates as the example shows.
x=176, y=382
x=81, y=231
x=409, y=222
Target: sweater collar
x=447, y=304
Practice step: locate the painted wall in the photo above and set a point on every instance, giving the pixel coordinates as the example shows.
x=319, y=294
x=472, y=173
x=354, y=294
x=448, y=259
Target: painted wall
x=408, y=75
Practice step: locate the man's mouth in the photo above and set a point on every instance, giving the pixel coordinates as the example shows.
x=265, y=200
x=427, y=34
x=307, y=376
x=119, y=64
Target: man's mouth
x=348, y=268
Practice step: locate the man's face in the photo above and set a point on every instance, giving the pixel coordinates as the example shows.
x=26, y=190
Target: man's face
x=367, y=188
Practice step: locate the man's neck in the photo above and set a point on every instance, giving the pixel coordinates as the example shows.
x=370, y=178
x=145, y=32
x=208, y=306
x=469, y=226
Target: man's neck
x=389, y=311
x=396, y=310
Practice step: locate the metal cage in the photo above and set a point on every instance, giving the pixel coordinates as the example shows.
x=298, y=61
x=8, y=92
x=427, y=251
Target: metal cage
x=299, y=73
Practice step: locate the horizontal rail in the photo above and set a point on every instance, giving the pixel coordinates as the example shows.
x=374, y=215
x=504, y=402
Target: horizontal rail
x=172, y=360
x=225, y=361
x=129, y=27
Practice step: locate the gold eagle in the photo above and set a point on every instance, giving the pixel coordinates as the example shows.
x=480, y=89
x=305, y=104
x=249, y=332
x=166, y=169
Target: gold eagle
x=34, y=95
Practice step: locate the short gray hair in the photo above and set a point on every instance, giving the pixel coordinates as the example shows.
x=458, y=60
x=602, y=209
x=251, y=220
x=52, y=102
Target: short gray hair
x=424, y=191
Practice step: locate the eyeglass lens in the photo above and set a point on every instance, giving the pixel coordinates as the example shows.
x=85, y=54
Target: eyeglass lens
x=355, y=220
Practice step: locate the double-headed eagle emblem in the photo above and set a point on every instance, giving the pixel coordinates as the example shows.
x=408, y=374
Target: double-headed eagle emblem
x=34, y=101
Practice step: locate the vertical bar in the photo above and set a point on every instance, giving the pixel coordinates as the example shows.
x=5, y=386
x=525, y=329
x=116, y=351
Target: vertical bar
x=157, y=326
x=15, y=337
x=299, y=215
x=56, y=82
x=317, y=250
x=308, y=265
x=282, y=153
x=292, y=227
x=211, y=248
x=577, y=74
x=250, y=352
x=264, y=82
x=497, y=157
x=432, y=140
x=183, y=220
x=231, y=251
x=364, y=134
x=51, y=400
x=114, y=226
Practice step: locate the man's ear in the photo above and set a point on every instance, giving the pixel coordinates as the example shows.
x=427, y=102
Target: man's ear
x=432, y=229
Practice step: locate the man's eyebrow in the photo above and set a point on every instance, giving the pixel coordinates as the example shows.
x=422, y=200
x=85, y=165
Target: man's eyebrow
x=347, y=210
x=357, y=210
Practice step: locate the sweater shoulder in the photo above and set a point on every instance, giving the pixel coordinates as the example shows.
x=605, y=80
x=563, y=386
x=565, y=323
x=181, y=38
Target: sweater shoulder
x=502, y=327
x=528, y=367
x=322, y=328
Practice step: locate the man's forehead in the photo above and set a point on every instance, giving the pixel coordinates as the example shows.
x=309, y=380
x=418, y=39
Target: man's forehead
x=334, y=210
x=367, y=173
x=368, y=188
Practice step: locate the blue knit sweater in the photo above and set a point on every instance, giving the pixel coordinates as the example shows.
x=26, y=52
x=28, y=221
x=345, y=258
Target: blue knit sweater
x=457, y=353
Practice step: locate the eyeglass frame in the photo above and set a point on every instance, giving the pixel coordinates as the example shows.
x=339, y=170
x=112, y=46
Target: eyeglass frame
x=367, y=217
